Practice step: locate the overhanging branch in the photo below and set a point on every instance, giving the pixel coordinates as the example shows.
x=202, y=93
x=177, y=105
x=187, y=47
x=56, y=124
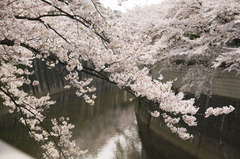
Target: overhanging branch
x=83, y=21
x=20, y=107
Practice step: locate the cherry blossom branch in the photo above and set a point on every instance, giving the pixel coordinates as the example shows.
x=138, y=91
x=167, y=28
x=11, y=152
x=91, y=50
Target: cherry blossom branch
x=38, y=18
x=7, y=42
x=27, y=126
x=97, y=8
x=98, y=74
x=103, y=77
x=20, y=109
x=43, y=22
x=86, y=23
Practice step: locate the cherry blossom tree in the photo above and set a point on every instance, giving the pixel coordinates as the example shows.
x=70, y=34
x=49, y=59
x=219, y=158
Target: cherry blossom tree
x=201, y=34
x=72, y=33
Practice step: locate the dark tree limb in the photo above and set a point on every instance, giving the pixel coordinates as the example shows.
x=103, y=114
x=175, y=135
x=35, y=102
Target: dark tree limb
x=84, y=22
x=7, y=42
x=43, y=22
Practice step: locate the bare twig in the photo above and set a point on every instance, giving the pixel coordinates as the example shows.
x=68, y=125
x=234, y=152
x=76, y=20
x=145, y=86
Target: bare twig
x=97, y=9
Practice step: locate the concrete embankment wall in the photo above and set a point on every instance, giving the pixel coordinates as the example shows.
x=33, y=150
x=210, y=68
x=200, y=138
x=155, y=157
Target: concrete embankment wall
x=224, y=83
x=214, y=138
x=50, y=80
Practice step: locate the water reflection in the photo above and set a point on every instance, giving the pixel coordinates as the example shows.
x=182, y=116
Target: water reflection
x=124, y=144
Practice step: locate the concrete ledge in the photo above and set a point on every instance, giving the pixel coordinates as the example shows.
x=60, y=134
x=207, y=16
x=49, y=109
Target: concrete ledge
x=9, y=152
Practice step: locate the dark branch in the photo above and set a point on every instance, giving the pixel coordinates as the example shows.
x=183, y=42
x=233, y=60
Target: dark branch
x=7, y=42
x=58, y=33
x=85, y=22
x=97, y=9
x=46, y=25
x=39, y=17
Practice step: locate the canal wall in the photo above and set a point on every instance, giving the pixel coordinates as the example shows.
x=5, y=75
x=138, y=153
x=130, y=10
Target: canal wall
x=50, y=80
x=214, y=138
x=223, y=83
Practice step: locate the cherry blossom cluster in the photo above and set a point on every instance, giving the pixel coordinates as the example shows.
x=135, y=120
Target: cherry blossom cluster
x=82, y=86
x=172, y=34
x=155, y=114
x=61, y=129
x=219, y=111
x=180, y=131
x=202, y=34
x=39, y=29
